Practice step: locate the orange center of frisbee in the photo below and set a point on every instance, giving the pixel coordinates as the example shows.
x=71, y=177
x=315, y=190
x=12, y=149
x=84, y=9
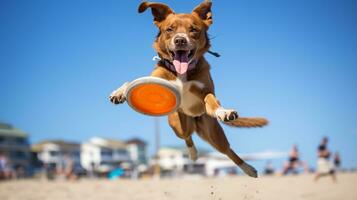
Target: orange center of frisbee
x=152, y=99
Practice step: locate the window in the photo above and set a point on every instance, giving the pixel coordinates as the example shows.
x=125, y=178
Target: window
x=18, y=155
x=141, y=148
x=13, y=140
x=54, y=153
x=121, y=151
x=20, y=141
x=75, y=154
x=106, y=152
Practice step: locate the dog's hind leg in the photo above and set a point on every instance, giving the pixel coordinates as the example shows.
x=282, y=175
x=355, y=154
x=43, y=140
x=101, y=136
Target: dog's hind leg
x=191, y=148
x=209, y=129
x=183, y=127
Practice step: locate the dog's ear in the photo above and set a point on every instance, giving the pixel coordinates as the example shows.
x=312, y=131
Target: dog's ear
x=159, y=11
x=204, y=12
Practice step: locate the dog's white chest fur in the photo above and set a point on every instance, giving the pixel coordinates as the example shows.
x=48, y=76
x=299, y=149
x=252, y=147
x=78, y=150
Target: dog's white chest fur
x=191, y=104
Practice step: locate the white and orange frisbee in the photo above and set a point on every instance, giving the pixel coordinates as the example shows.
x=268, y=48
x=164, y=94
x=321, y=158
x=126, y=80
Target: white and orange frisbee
x=153, y=96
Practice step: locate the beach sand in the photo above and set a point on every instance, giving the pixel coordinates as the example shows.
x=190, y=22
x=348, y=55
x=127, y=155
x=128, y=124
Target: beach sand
x=230, y=188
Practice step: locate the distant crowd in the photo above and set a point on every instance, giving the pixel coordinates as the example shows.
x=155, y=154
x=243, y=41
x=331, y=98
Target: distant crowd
x=65, y=170
x=327, y=163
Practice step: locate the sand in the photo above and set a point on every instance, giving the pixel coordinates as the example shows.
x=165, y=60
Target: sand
x=229, y=188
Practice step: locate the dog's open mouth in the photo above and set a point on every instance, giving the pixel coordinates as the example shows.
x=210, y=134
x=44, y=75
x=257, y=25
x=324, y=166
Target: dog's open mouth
x=181, y=59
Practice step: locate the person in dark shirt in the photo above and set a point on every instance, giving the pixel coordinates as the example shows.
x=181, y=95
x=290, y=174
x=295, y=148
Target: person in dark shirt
x=324, y=166
x=337, y=160
x=294, y=162
x=269, y=169
x=323, y=152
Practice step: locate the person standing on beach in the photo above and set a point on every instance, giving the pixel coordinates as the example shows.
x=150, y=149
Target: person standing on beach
x=68, y=167
x=324, y=166
x=5, y=170
x=294, y=162
x=269, y=168
x=2, y=165
x=337, y=161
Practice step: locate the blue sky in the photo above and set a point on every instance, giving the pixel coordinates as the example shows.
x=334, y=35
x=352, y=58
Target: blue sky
x=294, y=62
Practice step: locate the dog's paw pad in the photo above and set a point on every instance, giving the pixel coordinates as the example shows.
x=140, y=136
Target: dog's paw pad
x=226, y=115
x=117, y=97
x=117, y=100
x=230, y=116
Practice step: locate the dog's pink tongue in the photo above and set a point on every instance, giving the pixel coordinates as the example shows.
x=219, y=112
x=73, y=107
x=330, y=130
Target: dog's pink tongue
x=181, y=62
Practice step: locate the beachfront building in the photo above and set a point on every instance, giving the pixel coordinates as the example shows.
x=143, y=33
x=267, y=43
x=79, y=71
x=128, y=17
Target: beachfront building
x=215, y=164
x=102, y=155
x=175, y=161
x=55, y=152
x=15, y=147
x=218, y=164
x=137, y=150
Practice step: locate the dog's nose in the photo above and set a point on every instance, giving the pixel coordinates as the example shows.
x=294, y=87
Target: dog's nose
x=180, y=41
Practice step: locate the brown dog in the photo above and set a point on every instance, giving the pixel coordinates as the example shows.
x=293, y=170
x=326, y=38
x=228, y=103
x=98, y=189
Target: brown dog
x=181, y=44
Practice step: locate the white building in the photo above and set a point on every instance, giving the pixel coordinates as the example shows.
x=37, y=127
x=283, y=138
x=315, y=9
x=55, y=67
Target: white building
x=175, y=161
x=102, y=155
x=137, y=150
x=54, y=152
x=216, y=164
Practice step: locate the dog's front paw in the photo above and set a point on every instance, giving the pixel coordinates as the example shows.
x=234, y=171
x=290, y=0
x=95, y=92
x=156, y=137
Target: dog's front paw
x=117, y=96
x=226, y=115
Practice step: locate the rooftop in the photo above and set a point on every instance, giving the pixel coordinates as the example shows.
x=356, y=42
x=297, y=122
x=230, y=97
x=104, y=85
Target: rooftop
x=136, y=141
x=10, y=131
x=65, y=145
x=105, y=142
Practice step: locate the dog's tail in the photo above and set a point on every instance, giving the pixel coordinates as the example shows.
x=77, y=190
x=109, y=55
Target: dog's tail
x=247, y=122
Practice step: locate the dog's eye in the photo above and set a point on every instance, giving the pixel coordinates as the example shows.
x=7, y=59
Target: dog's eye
x=169, y=30
x=194, y=30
